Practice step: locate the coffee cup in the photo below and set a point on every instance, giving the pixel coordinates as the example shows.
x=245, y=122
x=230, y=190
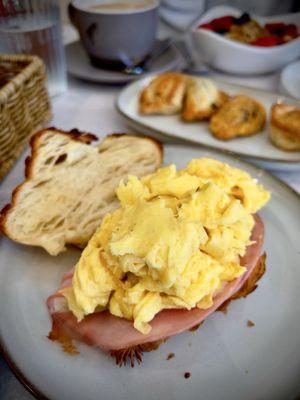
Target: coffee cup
x=116, y=34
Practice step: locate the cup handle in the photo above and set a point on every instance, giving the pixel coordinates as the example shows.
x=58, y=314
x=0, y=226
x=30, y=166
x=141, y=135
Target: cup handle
x=71, y=12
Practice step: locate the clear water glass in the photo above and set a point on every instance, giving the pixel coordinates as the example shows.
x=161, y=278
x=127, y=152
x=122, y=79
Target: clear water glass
x=33, y=27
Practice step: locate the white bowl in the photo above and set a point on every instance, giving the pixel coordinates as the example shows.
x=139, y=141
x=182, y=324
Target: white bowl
x=290, y=80
x=235, y=57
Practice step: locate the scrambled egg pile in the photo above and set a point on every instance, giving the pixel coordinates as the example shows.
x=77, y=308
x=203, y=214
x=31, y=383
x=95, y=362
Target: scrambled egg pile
x=175, y=238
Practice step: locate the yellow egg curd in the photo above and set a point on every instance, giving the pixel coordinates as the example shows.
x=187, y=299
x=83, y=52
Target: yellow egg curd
x=177, y=236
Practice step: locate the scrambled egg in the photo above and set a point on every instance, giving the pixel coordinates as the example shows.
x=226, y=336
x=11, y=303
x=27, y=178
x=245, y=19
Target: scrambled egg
x=177, y=236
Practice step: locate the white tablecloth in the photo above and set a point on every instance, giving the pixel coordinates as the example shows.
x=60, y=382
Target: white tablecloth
x=89, y=107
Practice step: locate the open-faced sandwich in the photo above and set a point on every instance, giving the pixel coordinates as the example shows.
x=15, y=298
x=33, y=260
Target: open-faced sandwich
x=181, y=245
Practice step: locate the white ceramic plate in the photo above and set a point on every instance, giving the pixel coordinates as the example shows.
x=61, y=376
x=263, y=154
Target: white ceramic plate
x=226, y=359
x=235, y=57
x=256, y=148
x=290, y=80
x=79, y=65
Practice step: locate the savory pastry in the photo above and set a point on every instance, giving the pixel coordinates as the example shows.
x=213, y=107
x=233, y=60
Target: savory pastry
x=70, y=185
x=181, y=244
x=284, y=127
x=164, y=94
x=202, y=99
x=239, y=116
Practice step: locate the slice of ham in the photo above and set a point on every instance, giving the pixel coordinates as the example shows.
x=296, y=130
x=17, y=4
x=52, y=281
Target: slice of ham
x=111, y=333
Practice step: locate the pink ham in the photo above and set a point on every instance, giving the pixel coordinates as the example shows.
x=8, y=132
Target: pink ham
x=111, y=333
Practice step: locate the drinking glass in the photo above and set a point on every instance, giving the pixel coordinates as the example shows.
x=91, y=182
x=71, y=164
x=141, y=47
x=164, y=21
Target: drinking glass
x=33, y=27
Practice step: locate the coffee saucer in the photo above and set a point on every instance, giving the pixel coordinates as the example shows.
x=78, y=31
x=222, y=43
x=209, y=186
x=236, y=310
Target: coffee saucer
x=79, y=65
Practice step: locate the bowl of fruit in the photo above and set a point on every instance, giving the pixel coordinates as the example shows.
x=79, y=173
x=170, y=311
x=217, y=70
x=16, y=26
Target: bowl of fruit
x=236, y=42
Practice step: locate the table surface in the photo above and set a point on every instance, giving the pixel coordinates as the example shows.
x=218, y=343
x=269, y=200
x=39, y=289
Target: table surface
x=90, y=107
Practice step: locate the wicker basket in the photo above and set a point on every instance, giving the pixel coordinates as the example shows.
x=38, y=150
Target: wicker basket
x=24, y=104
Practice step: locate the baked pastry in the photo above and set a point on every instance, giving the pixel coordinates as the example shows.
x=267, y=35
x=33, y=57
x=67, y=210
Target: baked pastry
x=284, y=127
x=164, y=94
x=239, y=116
x=70, y=186
x=202, y=99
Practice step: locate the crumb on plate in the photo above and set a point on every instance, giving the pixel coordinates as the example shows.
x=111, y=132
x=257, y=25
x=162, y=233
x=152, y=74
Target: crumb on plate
x=170, y=356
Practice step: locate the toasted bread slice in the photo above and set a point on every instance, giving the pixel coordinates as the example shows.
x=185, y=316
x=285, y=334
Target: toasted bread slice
x=239, y=116
x=284, y=127
x=202, y=99
x=70, y=185
x=164, y=94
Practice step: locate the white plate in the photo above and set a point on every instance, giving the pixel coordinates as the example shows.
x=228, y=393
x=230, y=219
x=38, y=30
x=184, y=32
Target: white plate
x=79, y=65
x=290, y=80
x=226, y=359
x=256, y=148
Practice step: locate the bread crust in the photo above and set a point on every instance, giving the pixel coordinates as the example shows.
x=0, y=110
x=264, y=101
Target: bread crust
x=284, y=129
x=239, y=116
x=156, y=142
x=74, y=134
x=164, y=94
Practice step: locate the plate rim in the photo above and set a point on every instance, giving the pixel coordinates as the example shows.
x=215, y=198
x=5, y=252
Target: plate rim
x=127, y=78
x=19, y=375
x=16, y=370
x=207, y=146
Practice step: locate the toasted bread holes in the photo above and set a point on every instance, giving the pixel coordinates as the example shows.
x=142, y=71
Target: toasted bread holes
x=61, y=158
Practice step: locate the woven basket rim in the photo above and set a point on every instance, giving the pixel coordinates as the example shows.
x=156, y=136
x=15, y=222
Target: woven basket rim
x=10, y=87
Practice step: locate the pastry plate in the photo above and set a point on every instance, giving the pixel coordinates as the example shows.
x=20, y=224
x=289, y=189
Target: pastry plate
x=256, y=148
x=226, y=358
